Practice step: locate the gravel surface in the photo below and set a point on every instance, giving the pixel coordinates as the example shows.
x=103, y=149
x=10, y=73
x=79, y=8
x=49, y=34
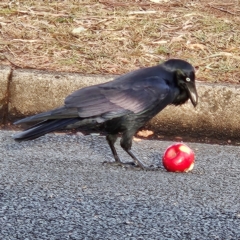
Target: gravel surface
x=56, y=187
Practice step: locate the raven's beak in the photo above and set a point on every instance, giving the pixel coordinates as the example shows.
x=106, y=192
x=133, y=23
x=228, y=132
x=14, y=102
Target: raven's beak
x=192, y=91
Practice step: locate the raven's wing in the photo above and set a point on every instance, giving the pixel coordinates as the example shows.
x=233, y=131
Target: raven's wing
x=114, y=99
x=58, y=113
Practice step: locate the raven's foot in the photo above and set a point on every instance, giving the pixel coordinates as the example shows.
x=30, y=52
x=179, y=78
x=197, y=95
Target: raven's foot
x=121, y=164
x=141, y=165
x=152, y=168
x=134, y=166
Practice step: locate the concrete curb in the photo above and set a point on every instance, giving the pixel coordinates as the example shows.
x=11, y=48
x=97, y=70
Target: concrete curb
x=25, y=92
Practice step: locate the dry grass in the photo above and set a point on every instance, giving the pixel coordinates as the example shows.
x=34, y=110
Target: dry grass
x=118, y=36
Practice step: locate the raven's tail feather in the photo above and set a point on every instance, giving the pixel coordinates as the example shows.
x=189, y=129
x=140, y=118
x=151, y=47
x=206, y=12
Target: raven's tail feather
x=44, y=127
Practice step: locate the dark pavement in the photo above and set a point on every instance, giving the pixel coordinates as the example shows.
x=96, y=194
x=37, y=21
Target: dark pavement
x=56, y=187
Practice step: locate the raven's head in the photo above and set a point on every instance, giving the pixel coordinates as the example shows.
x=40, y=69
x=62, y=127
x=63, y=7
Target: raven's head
x=185, y=80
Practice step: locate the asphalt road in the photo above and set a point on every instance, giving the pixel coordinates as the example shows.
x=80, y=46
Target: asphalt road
x=56, y=187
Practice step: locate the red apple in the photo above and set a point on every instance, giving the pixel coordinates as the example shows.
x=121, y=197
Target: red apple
x=178, y=158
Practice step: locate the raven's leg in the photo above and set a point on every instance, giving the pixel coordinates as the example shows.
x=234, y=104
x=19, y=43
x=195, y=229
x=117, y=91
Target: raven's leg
x=126, y=144
x=111, y=139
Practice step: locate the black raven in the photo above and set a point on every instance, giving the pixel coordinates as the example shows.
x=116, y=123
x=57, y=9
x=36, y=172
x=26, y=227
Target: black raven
x=120, y=106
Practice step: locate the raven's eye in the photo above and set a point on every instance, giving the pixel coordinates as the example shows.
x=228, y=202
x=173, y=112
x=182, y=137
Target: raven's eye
x=188, y=79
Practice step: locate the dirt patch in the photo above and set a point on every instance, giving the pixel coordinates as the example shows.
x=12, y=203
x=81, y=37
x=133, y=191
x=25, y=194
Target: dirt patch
x=114, y=37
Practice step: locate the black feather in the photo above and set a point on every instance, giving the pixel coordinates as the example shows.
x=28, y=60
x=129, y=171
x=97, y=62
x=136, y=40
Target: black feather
x=44, y=127
x=120, y=106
